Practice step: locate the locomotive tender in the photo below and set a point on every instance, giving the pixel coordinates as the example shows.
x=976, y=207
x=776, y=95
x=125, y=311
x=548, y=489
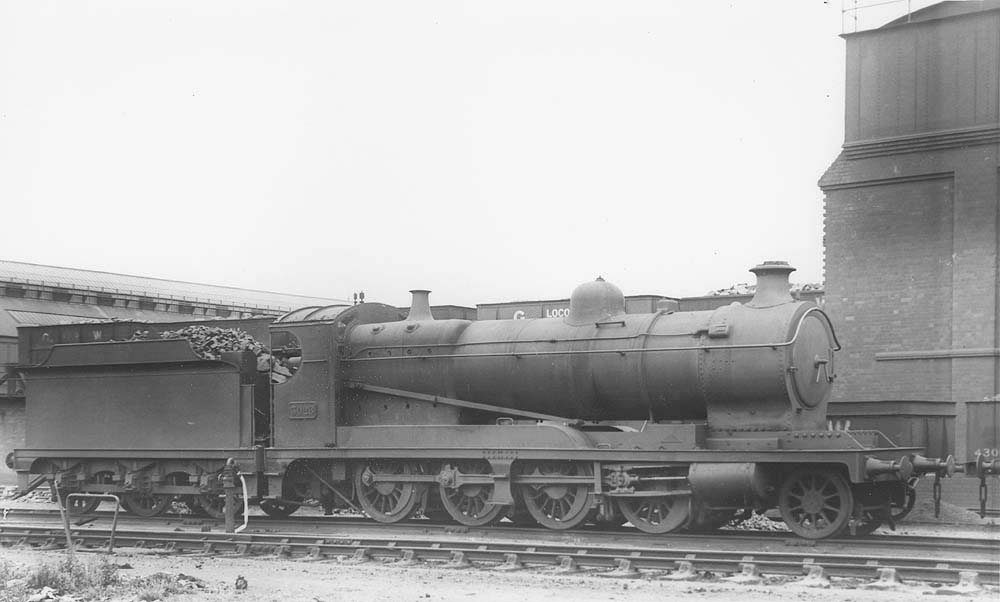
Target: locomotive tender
x=669, y=420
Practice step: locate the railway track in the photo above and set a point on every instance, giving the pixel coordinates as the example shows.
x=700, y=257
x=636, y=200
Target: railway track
x=990, y=512
x=324, y=525
x=616, y=553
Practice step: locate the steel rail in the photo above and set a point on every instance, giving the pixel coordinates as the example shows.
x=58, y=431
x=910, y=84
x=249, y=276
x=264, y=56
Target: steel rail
x=719, y=537
x=432, y=549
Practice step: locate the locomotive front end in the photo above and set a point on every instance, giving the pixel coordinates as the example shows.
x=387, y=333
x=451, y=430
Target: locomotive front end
x=768, y=364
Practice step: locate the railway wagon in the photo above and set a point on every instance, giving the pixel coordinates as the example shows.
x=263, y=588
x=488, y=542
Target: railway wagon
x=668, y=420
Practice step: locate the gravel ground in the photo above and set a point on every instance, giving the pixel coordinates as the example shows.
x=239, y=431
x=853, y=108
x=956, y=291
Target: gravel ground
x=213, y=579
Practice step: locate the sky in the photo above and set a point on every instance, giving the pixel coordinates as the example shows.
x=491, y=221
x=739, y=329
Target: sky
x=488, y=151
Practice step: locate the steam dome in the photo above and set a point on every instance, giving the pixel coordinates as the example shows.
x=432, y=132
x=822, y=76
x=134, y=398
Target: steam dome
x=595, y=301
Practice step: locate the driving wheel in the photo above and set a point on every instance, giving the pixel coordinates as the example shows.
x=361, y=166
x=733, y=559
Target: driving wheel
x=469, y=504
x=382, y=498
x=555, y=504
x=815, y=503
x=660, y=514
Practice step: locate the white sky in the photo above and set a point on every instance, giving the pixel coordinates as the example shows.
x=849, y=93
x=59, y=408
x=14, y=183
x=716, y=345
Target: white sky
x=489, y=151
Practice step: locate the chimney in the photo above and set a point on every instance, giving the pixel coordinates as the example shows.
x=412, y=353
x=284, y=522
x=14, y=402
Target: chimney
x=772, y=284
x=420, y=307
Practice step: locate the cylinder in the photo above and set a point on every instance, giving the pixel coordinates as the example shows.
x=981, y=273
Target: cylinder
x=727, y=485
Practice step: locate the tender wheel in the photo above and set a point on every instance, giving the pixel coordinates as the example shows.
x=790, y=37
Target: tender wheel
x=292, y=491
x=661, y=514
x=815, y=503
x=86, y=505
x=276, y=509
x=145, y=504
x=387, y=501
x=469, y=504
x=557, y=506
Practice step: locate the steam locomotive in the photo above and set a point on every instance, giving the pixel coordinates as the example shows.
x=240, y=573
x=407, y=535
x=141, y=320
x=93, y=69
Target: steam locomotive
x=668, y=420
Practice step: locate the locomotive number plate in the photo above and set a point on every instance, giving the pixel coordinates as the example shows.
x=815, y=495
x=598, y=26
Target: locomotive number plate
x=302, y=410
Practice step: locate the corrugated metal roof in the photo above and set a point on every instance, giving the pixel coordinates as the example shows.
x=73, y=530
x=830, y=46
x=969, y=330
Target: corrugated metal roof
x=38, y=318
x=16, y=312
x=944, y=10
x=157, y=288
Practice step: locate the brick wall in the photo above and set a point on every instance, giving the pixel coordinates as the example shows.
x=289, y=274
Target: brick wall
x=888, y=285
x=912, y=219
x=912, y=274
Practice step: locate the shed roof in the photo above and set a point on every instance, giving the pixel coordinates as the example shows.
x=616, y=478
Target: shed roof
x=16, y=312
x=16, y=272
x=945, y=10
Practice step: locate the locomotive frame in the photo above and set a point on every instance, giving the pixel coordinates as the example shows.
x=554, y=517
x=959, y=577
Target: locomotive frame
x=342, y=435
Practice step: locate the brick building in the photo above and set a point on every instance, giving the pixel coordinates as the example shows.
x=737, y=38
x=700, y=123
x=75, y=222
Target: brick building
x=912, y=219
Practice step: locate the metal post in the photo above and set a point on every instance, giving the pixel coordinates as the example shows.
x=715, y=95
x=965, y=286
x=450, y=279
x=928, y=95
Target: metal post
x=937, y=495
x=982, y=496
x=246, y=506
x=103, y=496
x=64, y=513
x=114, y=523
x=229, y=484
